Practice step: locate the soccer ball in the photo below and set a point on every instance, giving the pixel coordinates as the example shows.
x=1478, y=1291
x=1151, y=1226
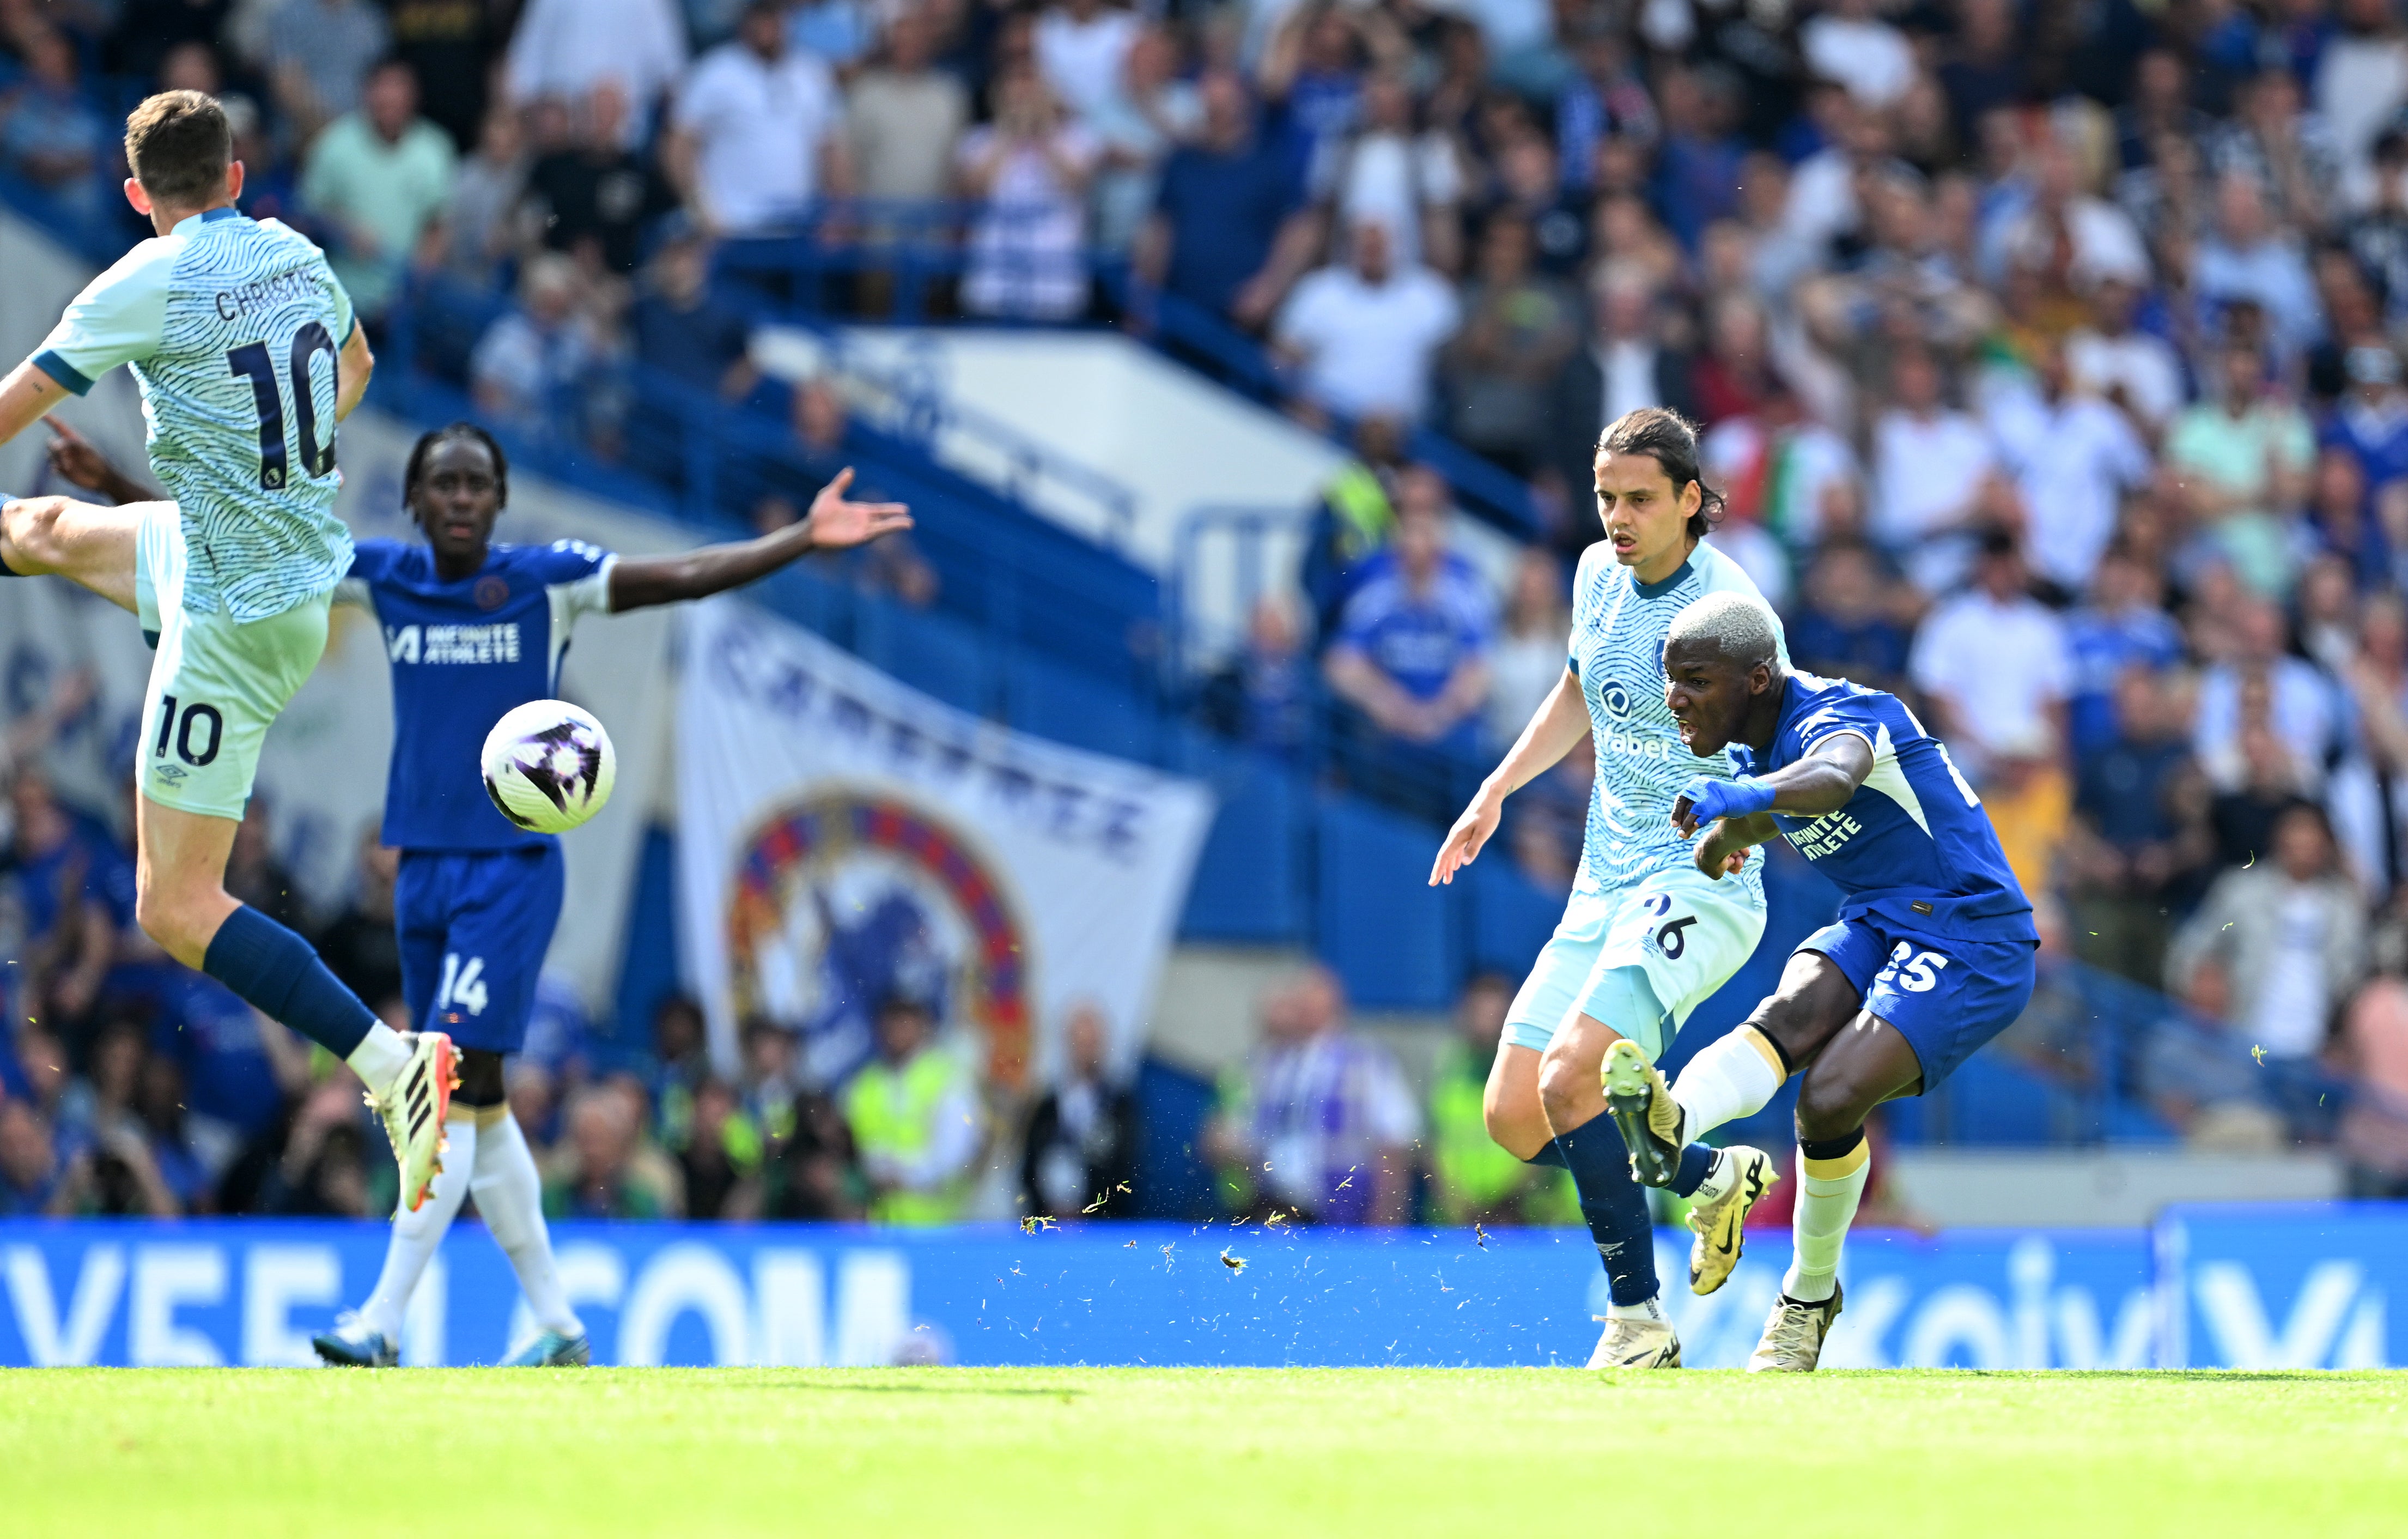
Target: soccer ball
x=549, y=766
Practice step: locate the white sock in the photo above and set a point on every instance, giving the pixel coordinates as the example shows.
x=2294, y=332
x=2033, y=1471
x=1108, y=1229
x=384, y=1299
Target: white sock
x=509, y=1195
x=416, y=1235
x=379, y=1058
x=1649, y=1308
x=1735, y=1076
x=1829, y=1191
x=1719, y=1176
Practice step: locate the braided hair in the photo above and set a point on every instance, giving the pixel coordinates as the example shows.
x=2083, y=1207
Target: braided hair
x=426, y=445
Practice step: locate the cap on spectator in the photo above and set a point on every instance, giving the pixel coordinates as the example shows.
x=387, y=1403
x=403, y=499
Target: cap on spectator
x=2372, y=366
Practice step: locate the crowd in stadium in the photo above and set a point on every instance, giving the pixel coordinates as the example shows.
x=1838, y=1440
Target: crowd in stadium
x=2048, y=357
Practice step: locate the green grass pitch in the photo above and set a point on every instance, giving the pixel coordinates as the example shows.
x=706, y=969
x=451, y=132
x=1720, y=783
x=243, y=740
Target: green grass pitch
x=1071, y=1452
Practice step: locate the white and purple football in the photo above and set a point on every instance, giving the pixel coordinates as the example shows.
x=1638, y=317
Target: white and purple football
x=549, y=766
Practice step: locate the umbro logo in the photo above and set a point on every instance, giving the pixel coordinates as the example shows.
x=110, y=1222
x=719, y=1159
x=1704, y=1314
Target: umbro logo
x=172, y=774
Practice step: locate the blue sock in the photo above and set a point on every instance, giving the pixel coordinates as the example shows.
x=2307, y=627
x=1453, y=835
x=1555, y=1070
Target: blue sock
x=1548, y=1155
x=1615, y=1205
x=275, y=969
x=1696, y=1160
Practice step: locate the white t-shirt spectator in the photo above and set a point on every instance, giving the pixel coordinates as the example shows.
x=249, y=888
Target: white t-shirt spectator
x=566, y=48
x=1924, y=473
x=1871, y=58
x=1391, y=179
x=2074, y=462
x=1083, y=61
x=758, y=126
x=2000, y=666
x=2143, y=365
x=1368, y=348
x=2303, y=711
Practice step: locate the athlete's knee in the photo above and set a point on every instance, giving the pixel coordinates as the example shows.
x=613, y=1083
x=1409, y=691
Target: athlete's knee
x=1831, y=1103
x=480, y=1078
x=31, y=527
x=1566, y=1087
x=180, y=916
x=1518, y=1124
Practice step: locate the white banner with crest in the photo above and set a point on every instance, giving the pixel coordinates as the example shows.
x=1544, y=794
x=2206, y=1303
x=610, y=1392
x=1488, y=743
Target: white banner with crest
x=842, y=836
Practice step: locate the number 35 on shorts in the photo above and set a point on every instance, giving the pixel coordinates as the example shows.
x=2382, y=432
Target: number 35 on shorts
x=1910, y=970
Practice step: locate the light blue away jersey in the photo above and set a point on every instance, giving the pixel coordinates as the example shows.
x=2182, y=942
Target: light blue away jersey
x=231, y=326
x=1913, y=847
x=463, y=655
x=1617, y=650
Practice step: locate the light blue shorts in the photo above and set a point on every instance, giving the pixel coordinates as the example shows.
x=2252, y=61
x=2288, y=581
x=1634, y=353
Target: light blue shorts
x=1684, y=933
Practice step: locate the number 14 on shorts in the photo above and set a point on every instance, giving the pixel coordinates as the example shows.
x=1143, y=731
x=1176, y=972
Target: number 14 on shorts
x=1911, y=971
x=463, y=986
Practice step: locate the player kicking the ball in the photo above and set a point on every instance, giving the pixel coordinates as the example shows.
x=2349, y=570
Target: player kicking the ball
x=1933, y=954
x=247, y=354
x=1646, y=936
x=474, y=629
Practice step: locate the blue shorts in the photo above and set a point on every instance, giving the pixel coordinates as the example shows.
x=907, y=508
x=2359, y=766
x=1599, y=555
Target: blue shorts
x=1945, y=997
x=474, y=926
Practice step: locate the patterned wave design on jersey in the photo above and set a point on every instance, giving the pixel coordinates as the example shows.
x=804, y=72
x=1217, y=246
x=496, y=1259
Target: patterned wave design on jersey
x=246, y=444
x=1617, y=640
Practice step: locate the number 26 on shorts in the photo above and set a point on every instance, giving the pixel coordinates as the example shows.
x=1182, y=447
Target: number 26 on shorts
x=1910, y=971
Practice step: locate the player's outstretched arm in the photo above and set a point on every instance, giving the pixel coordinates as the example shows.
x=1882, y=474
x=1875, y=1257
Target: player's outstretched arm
x=1555, y=726
x=1742, y=810
x=834, y=524
x=26, y=396
x=79, y=462
x=352, y=367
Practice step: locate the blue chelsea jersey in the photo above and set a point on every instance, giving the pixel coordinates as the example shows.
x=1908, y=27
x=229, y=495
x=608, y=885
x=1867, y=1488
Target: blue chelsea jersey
x=463, y=654
x=1913, y=847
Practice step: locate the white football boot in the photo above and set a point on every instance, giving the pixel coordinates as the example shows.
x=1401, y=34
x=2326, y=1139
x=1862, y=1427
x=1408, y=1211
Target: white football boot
x=413, y=1108
x=1634, y=1341
x=1793, y=1333
x=1720, y=1224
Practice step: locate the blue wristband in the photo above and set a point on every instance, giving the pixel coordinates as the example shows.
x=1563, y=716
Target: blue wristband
x=1747, y=798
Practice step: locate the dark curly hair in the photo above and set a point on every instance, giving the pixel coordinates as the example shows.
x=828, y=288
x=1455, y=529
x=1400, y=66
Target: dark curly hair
x=1667, y=437
x=426, y=445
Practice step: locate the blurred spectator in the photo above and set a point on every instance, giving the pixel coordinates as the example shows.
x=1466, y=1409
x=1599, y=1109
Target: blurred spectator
x=532, y=357
x=1849, y=42
x=146, y=31
x=1549, y=822
x=757, y=139
x=452, y=49
x=2373, y=1049
x=2370, y=421
x=1848, y=627
x=115, y=1170
x=2378, y=236
x=482, y=224
x=680, y=1062
x=1263, y=698
x=1473, y=1179
x=2130, y=368
x=2124, y=626
x=680, y=327
x=2288, y=933
x=377, y=181
x=1362, y=335
x=2074, y=457
x=1520, y=329
x=49, y=133
x=916, y=1120
x=32, y=1177
x=903, y=117
x=1533, y=646
x=2240, y=463
x=1401, y=178
x=566, y=47
x=601, y=1171
x=1412, y=647
x=1230, y=229
x=361, y=948
x=1151, y=113
x=1083, y=48
x=771, y=1075
x=1028, y=172
x=720, y=1156
x=318, y=58
x=1319, y=1123
x=320, y=1170
x=1993, y=664
x=2359, y=83
x=594, y=196
x=2247, y=258
x=1079, y=1154
x=813, y=1175
x=1929, y=462
x=1350, y=525
x=2140, y=831
x=2262, y=685
x=64, y=865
